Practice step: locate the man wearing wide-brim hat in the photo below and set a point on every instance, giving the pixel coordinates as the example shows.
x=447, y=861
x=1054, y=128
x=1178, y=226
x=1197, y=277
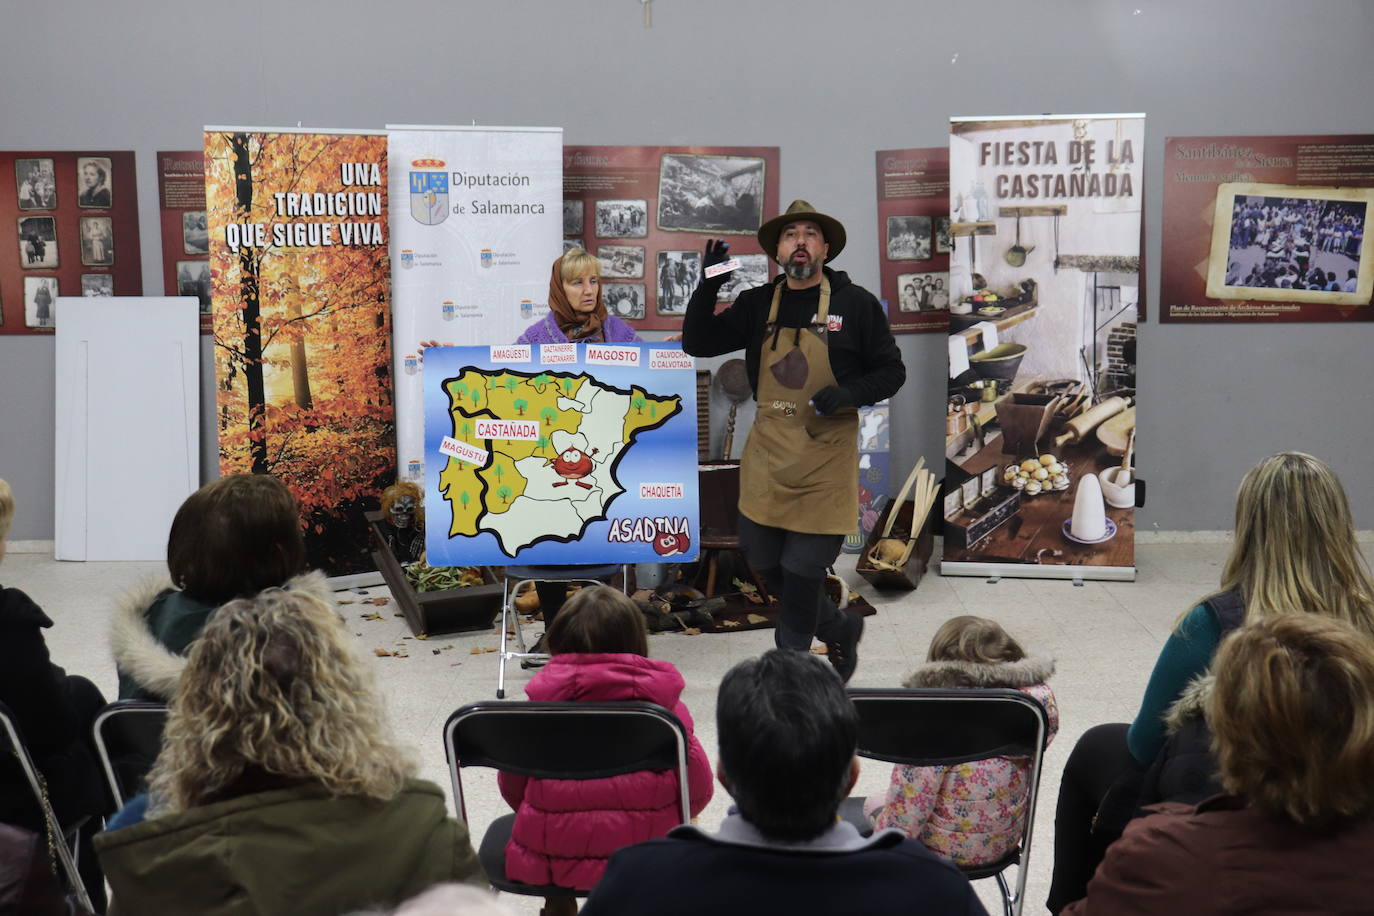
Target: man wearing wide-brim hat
x=817, y=347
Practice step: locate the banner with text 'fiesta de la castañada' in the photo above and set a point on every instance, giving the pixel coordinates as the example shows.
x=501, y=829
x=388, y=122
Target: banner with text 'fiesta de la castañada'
x=1044, y=296
x=300, y=293
x=476, y=217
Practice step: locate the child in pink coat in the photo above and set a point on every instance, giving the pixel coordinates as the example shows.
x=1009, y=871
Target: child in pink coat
x=971, y=812
x=566, y=830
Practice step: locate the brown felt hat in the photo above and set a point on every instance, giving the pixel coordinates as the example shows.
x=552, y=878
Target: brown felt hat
x=831, y=228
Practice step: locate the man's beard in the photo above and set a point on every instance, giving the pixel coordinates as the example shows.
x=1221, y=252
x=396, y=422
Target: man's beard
x=803, y=270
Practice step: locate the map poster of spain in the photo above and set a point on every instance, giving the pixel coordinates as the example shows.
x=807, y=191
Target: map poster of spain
x=559, y=454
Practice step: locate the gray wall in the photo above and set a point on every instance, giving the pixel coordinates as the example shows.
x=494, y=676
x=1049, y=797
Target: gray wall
x=828, y=82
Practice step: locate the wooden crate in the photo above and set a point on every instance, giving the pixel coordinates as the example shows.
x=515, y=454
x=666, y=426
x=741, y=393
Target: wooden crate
x=427, y=613
x=909, y=576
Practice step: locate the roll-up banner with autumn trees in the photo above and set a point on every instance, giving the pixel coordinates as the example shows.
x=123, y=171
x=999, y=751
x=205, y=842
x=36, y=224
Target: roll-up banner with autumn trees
x=300, y=289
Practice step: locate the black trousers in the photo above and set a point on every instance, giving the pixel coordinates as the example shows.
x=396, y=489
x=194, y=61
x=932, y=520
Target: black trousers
x=793, y=565
x=1097, y=762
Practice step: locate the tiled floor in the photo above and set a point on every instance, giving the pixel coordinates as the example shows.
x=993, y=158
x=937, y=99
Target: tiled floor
x=1105, y=637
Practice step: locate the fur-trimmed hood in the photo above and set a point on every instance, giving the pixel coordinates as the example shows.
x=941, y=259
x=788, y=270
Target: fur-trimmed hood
x=1027, y=672
x=137, y=651
x=1191, y=704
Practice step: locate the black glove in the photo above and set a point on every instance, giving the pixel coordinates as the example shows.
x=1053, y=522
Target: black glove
x=717, y=252
x=831, y=398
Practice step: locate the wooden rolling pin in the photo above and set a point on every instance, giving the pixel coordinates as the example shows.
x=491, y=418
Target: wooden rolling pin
x=1080, y=426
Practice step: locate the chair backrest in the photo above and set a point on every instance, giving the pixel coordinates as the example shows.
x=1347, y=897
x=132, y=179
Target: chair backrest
x=930, y=726
x=14, y=743
x=566, y=740
x=128, y=736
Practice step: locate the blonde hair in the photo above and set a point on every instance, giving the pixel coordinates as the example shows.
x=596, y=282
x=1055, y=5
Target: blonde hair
x=1292, y=718
x=273, y=684
x=6, y=508
x=577, y=262
x=973, y=639
x=1294, y=547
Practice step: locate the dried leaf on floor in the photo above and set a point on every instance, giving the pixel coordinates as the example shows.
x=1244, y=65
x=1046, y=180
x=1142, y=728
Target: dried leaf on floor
x=345, y=601
x=373, y=616
x=422, y=636
x=381, y=602
x=381, y=653
x=756, y=618
x=481, y=650
x=691, y=631
x=729, y=623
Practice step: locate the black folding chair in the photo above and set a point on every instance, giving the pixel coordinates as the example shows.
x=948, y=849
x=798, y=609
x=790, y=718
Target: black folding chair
x=559, y=741
x=63, y=842
x=128, y=736
x=943, y=727
x=517, y=577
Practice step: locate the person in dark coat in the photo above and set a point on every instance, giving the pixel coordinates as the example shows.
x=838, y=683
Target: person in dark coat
x=54, y=712
x=787, y=734
x=1292, y=716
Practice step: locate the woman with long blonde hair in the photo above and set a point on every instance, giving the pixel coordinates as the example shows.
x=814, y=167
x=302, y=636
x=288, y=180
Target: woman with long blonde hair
x=1294, y=552
x=276, y=767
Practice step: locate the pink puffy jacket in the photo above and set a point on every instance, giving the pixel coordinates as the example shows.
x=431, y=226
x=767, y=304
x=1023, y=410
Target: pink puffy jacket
x=566, y=829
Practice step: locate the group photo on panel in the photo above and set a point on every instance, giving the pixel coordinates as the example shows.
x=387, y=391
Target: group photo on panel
x=561, y=542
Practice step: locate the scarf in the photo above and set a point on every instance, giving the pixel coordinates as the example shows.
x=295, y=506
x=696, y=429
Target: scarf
x=572, y=323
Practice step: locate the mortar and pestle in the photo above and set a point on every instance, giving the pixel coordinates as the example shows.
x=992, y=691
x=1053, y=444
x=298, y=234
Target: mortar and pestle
x=1118, y=481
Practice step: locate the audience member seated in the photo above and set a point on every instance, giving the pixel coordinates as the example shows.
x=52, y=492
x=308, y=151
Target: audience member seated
x=787, y=734
x=230, y=539
x=565, y=830
x=974, y=812
x=54, y=712
x=1294, y=552
x=278, y=789
x=28, y=879
x=1292, y=716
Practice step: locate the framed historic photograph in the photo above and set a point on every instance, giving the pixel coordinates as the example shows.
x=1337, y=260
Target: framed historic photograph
x=908, y=238
x=620, y=219
x=1291, y=243
x=923, y=292
x=37, y=242
x=624, y=300
x=35, y=187
x=753, y=271
x=942, y=245
x=702, y=193
x=678, y=273
x=195, y=237
x=97, y=241
x=40, y=302
x=572, y=217
x=97, y=285
x=94, y=179
x=193, y=279
x=570, y=244
x=621, y=262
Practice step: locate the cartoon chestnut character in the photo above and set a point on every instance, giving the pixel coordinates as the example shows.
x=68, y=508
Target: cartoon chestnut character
x=667, y=544
x=574, y=460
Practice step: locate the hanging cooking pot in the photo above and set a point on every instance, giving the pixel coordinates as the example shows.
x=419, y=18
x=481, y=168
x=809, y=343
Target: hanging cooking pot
x=1016, y=255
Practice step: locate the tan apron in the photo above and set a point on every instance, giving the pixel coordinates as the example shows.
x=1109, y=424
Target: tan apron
x=800, y=469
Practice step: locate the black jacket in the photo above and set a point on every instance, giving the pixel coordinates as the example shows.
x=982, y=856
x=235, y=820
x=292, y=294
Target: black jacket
x=689, y=873
x=863, y=352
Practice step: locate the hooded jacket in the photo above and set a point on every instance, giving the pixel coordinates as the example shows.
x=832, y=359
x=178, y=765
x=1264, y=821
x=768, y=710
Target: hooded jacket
x=154, y=626
x=288, y=852
x=565, y=829
x=971, y=812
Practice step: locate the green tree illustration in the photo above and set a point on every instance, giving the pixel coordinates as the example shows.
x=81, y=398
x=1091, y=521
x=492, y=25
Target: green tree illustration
x=504, y=493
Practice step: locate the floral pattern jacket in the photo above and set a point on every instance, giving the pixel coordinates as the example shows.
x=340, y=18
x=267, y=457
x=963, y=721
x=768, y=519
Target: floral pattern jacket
x=972, y=812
